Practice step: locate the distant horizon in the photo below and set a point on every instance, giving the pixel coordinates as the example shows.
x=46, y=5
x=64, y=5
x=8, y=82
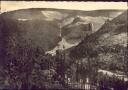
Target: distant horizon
x=83, y=6
x=66, y=9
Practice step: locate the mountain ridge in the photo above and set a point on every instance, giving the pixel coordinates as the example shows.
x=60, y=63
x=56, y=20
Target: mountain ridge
x=40, y=27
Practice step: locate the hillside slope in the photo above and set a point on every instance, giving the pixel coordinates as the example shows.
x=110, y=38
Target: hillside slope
x=108, y=44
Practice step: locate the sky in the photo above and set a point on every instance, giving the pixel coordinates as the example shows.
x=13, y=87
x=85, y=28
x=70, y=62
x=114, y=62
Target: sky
x=75, y=5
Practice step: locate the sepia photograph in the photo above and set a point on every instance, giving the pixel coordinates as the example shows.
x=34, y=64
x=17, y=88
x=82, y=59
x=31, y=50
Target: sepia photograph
x=63, y=45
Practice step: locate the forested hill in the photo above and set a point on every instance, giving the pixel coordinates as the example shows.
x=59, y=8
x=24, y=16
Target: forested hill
x=109, y=43
x=41, y=25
